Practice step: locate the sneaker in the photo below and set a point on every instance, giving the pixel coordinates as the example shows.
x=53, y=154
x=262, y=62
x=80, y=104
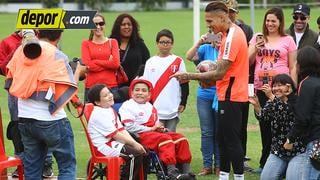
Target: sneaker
x=205, y=171
x=246, y=167
x=246, y=158
x=47, y=171
x=15, y=174
x=175, y=174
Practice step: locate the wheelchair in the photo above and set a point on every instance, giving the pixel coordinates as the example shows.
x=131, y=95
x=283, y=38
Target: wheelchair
x=155, y=167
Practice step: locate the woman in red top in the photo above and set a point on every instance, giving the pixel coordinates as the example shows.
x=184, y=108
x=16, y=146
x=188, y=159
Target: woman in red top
x=101, y=55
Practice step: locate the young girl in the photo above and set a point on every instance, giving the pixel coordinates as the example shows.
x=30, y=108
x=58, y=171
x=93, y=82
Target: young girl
x=107, y=133
x=140, y=117
x=278, y=110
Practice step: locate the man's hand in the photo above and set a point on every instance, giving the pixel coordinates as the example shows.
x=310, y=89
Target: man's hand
x=80, y=72
x=181, y=76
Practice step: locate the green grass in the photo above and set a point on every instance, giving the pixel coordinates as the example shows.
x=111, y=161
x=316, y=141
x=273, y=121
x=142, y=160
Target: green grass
x=180, y=22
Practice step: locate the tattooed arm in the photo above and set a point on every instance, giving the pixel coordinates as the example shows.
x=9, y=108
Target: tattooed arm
x=222, y=67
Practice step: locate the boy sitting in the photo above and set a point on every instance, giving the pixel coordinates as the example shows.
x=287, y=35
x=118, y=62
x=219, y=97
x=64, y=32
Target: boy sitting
x=140, y=117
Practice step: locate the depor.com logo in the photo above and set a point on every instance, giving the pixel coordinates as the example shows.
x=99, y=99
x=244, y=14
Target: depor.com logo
x=55, y=19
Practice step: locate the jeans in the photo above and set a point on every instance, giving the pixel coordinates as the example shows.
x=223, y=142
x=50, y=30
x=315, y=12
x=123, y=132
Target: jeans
x=274, y=169
x=209, y=145
x=170, y=124
x=38, y=137
x=300, y=167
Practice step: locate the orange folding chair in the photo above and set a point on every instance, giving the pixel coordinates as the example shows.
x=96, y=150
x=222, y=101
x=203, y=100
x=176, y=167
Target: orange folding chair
x=6, y=161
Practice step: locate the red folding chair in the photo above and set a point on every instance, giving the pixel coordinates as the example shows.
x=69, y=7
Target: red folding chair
x=6, y=161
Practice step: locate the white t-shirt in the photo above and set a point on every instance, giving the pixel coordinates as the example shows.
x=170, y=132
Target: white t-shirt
x=298, y=38
x=39, y=110
x=103, y=124
x=169, y=98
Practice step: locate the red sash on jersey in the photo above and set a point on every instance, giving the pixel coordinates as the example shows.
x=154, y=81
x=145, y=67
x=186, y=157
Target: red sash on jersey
x=152, y=119
x=165, y=77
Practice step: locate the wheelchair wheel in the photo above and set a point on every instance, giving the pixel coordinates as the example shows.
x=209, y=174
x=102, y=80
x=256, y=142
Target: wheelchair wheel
x=157, y=167
x=98, y=171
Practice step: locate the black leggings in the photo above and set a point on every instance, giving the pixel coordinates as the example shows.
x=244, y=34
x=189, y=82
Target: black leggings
x=230, y=121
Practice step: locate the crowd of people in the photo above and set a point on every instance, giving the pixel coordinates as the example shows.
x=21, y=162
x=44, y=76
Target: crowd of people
x=282, y=64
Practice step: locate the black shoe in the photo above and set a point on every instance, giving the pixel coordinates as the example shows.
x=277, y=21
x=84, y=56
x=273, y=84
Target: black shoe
x=246, y=167
x=175, y=174
x=15, y=174
x=246, y=158
x=47, y=171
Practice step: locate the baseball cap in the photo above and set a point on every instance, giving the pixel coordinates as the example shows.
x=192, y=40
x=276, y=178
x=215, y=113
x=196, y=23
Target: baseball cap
x=232, y=5
x=302, y=8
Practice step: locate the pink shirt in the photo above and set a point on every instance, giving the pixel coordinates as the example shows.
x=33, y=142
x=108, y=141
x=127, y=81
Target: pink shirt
x=272, y=60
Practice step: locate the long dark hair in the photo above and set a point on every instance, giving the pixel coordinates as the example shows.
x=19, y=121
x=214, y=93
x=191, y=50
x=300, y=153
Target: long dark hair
x=277, y=11
x=115, y=33
x=308, y=61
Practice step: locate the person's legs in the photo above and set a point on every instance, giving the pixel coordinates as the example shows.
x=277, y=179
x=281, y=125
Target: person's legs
x=60, y=141
x=206, y=117
x=133, y=164
x=274, y=169
x=34, y=148
x=170, y=124
x=47, y=169
x=229, y=135
x=265, y=130
x=300, y=167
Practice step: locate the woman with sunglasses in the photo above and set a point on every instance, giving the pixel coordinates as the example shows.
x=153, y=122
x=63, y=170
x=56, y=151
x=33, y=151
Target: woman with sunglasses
x=101, y=55
x=273, y=52
x=133, y=51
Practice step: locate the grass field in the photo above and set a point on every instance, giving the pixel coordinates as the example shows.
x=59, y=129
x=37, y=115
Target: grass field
x=180, y=22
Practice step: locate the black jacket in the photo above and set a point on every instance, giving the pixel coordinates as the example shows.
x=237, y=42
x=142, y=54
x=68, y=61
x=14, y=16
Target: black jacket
x=307, y=111
x=309, y=37
x=137, y=56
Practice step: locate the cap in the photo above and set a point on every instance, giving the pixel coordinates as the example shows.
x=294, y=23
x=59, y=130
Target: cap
x=140, y=80
x=302, y=8
x=232, y=5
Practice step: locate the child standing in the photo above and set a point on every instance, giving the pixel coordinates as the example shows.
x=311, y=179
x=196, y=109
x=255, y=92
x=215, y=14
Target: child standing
x=107, y=133
x=278, y=110
x=170, y=95
x=140, y=117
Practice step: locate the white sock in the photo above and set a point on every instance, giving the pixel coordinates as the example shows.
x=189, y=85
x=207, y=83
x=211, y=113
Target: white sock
x=224, y=175
x=238, y=176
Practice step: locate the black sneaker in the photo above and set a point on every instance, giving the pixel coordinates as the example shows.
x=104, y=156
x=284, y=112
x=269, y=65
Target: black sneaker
x=175, y=174
x=47, y=171
x=15, y=174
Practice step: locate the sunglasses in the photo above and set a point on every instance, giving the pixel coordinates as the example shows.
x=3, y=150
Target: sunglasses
x=302, y=18
x=100, y=23
x=165, y=42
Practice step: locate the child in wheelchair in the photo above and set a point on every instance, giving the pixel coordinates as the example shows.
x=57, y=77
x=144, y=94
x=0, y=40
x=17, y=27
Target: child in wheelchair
x=109, y=136
x=140, y=117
